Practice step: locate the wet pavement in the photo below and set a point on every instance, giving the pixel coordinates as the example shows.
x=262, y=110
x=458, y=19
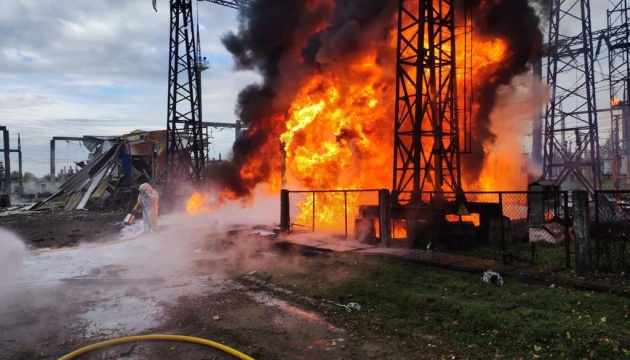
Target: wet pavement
x=66, y=298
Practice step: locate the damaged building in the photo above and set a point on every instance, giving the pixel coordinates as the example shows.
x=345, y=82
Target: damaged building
x=116, y=166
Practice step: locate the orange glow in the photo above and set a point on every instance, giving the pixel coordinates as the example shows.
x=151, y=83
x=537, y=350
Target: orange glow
x=338, y=130
x=615, y=102
x=473, y=218
x=196, y=203
x=399, y=228
x=333, y=136
x=211, y=201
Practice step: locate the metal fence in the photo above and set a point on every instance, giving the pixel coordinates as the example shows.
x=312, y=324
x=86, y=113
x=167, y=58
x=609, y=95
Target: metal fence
x=336, y=212
x=610, y=232
x=511, y=227
x=526, y=227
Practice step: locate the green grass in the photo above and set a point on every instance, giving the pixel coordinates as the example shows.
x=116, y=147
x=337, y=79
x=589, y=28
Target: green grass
x=425, y=311
x=540, y=253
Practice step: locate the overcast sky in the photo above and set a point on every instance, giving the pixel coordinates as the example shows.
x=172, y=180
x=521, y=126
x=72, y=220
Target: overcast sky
x=76, y=67
x=99, y=67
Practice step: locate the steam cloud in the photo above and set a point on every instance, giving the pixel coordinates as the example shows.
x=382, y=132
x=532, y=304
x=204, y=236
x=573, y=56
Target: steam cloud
x=289, y=41
x=12, y=252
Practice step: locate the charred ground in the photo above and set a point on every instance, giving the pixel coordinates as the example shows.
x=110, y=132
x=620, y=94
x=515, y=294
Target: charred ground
x=59, y=228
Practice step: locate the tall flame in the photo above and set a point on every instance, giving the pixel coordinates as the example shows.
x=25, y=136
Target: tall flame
x=336, y=130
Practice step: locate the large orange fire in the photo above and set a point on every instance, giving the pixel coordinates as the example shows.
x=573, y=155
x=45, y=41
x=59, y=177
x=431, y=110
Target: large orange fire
x=338, y=131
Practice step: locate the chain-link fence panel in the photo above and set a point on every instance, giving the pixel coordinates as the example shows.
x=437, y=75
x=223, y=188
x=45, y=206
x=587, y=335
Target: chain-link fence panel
x=529, y=227
x=539, y=228
x=611, y=231
x=301, y=219
x=349, y=213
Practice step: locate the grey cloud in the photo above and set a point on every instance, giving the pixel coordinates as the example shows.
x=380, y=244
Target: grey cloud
x=116, y=39
x=77, y=67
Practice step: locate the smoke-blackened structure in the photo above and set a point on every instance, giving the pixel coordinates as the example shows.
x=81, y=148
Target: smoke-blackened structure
x=326, y=100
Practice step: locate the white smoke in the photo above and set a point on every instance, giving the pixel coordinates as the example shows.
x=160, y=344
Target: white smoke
x=12, y=252
x=511, y=117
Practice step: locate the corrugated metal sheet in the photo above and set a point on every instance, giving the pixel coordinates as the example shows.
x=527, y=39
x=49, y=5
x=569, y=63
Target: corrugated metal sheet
x=79, y=180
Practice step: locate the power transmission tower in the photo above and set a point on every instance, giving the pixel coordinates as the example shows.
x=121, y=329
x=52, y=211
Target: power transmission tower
x=617, y=39
x=426, y=133
x=184, y=149
x=571, y=150
x=186, y=144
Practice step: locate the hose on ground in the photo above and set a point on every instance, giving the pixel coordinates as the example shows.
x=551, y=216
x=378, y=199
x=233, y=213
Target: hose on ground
x=195, y=340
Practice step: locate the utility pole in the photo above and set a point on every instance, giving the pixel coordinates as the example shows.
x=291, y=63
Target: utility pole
x=7, y=160
x=571, y=150
x=19, y=149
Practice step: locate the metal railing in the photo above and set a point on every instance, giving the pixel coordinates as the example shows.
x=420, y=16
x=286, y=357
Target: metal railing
x=337, y=212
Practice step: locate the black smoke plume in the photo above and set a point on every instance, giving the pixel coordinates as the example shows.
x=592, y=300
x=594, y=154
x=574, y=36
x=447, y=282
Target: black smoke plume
x=517, y=23
x=288, y=41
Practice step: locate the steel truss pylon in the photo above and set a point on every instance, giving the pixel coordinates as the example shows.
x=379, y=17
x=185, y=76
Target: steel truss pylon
x=617, y=39
x=571, y=149
x=185, y=149
x=426, y=133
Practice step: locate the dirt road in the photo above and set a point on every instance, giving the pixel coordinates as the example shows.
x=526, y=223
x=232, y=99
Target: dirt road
x=190, y=279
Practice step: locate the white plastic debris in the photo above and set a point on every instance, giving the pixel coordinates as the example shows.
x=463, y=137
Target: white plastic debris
x=351, y=306
x=492, y=277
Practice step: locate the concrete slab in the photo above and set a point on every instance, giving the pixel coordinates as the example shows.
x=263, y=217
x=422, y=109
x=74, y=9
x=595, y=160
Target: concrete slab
x=458, y=262
x=323, y=244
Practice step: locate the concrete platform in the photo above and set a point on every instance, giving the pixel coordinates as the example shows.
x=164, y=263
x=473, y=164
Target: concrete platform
x=323, y=244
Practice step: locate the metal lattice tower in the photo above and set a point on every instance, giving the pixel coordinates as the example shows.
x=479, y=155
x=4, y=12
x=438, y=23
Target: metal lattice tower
x=617, y=38
x=571, y=149
x=185, y=149
x=426, y=133
x=186, y=142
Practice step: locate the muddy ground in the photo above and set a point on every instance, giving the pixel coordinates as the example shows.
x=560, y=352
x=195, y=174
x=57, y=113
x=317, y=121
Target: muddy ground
x=59, y=228
x=189, y=279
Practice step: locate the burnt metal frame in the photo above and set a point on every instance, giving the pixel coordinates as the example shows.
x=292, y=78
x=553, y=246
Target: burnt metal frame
x=426, y=133
x=617, y=35
x=572, y=108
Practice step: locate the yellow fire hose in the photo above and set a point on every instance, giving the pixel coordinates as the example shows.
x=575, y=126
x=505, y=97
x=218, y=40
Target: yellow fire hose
x=190, y=339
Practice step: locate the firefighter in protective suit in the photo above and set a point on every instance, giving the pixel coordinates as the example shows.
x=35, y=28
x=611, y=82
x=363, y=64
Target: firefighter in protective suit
x=149, y=199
